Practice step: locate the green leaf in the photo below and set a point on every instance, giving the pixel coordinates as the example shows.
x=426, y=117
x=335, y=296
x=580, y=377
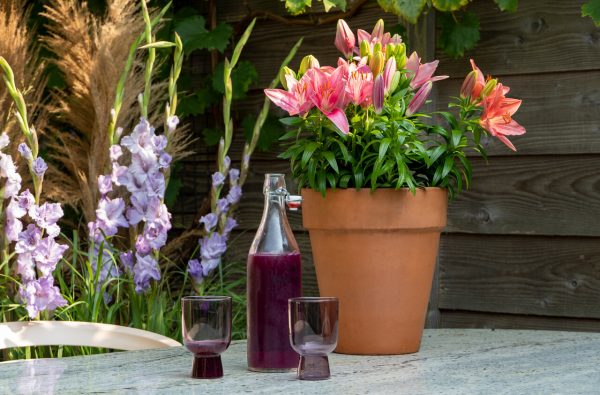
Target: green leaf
x=460, y=35
x=270, y=132
x=449, y=5
x=297, y=7
x=592, y=9
x=408, y=9
x=291, y=121
x=189, y=29
x=329, y=4
x=196, y=103
x=448, y=165
x=308, y=151
x=215, y=39
x=330, y=157
x=242, y=77
x=456, y=136
x=212, y=136
x=507, y=5
x=383, y=147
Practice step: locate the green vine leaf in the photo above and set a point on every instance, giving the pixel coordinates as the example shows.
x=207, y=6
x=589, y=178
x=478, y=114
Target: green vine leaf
x=408, y=9
x=592, y=9
x=449, y=5
x=329, y=4
x=507, y=5
x=297, y=7
x=194, y=35
x=458, y=34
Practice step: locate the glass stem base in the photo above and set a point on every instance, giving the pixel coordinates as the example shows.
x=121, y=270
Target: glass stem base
x=207, y=367
x=313, y=367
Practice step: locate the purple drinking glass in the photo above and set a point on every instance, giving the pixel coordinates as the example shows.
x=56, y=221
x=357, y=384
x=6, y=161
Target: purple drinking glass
x=206, y=330
x=313, y=334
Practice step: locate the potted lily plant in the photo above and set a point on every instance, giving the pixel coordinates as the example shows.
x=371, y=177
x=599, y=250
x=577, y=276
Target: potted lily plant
x=376, y=173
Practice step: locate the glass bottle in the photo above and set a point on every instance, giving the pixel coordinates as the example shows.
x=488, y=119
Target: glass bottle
x=274, y=276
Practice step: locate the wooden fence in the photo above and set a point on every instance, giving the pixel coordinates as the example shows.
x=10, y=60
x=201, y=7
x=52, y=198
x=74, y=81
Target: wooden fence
x=521, y=249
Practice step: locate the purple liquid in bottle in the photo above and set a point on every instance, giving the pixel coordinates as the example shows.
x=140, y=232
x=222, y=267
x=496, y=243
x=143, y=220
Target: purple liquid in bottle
x=272, y=280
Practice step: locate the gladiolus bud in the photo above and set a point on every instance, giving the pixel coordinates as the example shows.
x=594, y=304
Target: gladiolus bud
x=469, y=83
x=489, y=87
x=365, y=49
x=388, y=74
x=419, y=99
x=282, y=73
x=308, y=62
x=378, y=30
x=377, y=62
x=344, y=38
x=378, y=93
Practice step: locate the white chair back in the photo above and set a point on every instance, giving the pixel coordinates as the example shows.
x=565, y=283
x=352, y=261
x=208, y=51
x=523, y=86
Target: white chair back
x=75, y=333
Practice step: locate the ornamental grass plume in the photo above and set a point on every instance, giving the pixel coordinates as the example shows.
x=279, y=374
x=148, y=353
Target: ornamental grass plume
x=17, y=46
x=92, y=53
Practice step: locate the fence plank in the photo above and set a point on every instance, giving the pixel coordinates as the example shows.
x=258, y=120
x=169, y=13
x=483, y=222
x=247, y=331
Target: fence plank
x=550, y=276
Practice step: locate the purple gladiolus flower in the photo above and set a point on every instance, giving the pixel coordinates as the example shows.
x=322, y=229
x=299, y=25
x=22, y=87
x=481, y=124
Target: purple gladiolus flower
x=26, y=267
x=46, y=215
x=47, y=255
x=226, y=162
x=195, y=270
x=115, y=152
x=28, y=239
x=13, y=228
x=142, y=245
x=144, y=270
x=39, y=166
x=209, y=220
x=4, y=140
x=25, y=151
x=155, y=234
x=19, y=205
x=164, y=160
x=235, y=194
x=172, y=122
x=230, y=224
x=41, y=294
x=217, y=179
x=104, y=184
x=222, y=205
x=127, y=260
x=234, y=175
x=159, y=143
x=211, y=249
x=110, y=216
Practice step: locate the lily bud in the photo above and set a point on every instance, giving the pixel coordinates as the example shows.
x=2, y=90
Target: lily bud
x=388, y=74
x=377, y=47
x=365, y=49
x=378, y=30
x=377, y=62
x=396, y=39
x=344, y=38
x=282, y=73
x=308, y=62
x=419, y=99
x=489, y=87
x=400, y=56
x=395, y=81
x=378, y=93
x=469, y=83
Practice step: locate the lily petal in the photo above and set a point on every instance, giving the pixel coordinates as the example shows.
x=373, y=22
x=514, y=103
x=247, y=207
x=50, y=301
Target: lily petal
x=338, y=117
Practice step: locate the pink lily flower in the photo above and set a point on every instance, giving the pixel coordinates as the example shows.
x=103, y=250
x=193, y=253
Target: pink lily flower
x=419, y=98
x=422, y=73
x=344, y=38
x=497, y=116
x=359, y=85
x=296, y=99
x=327, y=92
x=378, y=93
x=377, y=36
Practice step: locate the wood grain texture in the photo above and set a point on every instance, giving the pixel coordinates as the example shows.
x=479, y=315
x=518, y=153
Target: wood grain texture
x=468, y=319
x=543, y=36
x=545, y=276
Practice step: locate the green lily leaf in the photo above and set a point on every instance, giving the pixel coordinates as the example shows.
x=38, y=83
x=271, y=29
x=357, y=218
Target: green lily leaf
x=297, y=7
x=507, y=5
x=408, y=9
x=458, y=37
x=449, y=5
x=329, y=4
x=592, y=9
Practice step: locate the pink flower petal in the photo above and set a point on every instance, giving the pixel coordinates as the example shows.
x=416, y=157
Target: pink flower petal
x=338, y=117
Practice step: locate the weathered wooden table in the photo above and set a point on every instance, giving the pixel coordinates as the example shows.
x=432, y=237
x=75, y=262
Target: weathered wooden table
x=451, y=361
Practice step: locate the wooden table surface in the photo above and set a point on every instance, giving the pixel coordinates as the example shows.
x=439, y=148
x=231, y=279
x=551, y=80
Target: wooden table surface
x=451, y=361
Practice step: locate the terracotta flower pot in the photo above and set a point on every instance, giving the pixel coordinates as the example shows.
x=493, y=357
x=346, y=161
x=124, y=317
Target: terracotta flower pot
x=376, y=251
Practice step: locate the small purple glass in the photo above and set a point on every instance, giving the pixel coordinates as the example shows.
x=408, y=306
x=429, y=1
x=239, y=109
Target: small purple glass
x=206, y=330
x=313, y=334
